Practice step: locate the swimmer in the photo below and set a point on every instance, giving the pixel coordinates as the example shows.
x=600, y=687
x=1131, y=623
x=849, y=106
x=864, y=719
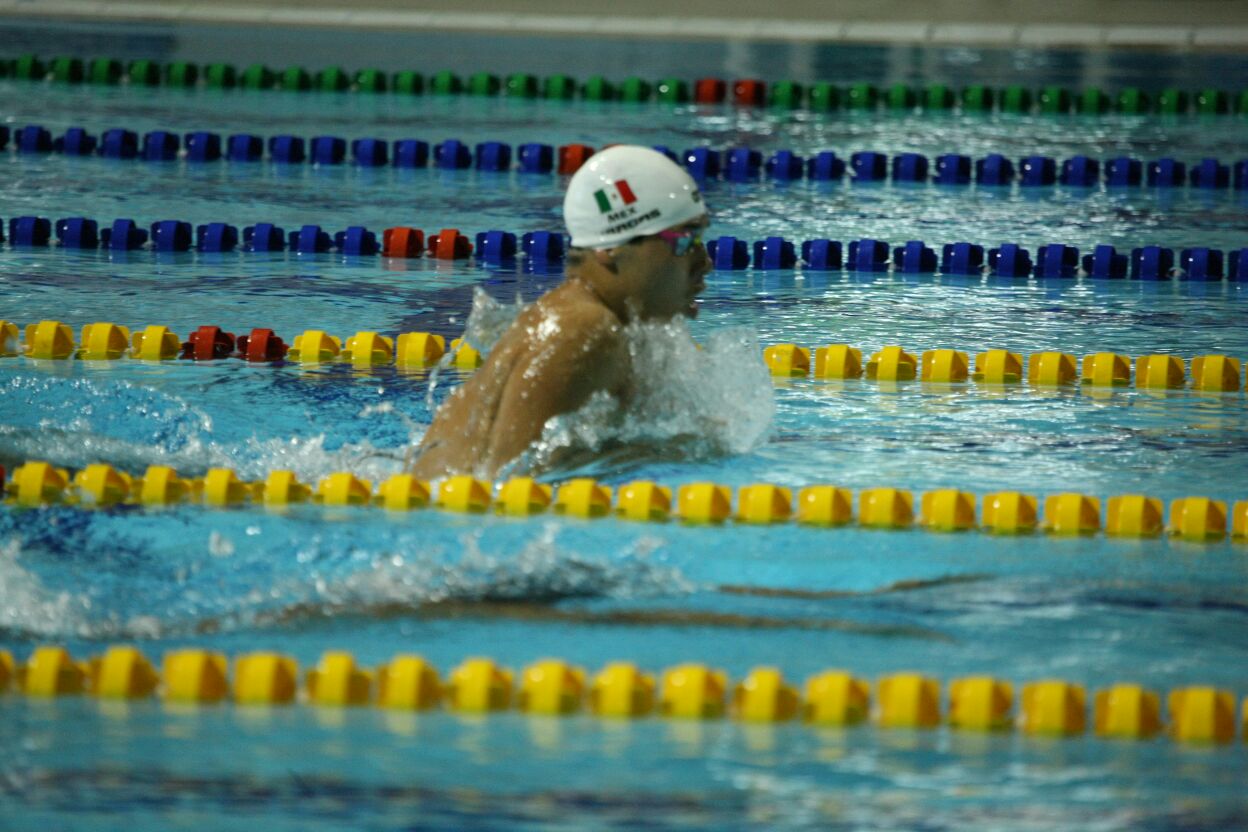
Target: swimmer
x=636, y=220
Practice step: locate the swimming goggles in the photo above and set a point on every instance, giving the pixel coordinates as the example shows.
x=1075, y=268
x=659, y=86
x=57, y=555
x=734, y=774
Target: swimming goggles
x=681, y=241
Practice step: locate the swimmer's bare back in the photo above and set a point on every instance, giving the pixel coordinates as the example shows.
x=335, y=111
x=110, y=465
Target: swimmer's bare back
x=561, y=350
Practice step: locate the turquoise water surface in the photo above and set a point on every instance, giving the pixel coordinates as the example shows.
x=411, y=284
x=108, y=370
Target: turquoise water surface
x=1091, y=610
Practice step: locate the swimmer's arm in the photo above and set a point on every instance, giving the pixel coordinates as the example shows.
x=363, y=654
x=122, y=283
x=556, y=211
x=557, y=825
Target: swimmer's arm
x=588, y=356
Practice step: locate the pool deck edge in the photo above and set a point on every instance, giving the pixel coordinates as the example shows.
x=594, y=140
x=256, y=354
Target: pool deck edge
x=1027, y=35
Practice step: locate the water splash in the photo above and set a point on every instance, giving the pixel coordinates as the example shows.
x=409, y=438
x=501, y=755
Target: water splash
x=689, y=401
x=28, y=607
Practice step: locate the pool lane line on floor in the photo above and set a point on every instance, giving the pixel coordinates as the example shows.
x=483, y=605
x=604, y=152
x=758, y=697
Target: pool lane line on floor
x=1194, y=519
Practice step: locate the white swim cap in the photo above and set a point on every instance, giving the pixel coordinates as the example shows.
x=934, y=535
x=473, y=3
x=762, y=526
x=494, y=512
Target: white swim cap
x=628, y=191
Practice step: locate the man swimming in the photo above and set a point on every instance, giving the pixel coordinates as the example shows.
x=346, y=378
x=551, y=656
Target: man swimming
x=636, y=220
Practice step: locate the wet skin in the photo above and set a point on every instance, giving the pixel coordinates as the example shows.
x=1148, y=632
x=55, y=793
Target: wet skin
x=565, y=347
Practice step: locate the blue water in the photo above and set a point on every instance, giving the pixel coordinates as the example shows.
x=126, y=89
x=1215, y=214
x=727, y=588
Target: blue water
x=1093, y=610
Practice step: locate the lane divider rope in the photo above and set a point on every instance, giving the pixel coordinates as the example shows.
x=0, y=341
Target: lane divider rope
x=1203, y=715
x=736, y=164
x=1195, y=519
x=104, y=341
x=1016, y=99
x=544, y=251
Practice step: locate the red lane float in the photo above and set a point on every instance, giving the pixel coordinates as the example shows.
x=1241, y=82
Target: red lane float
x=572, y=156
x=208, y=343
x=402, y=241
x=262, y=345
x=749, y=92
x=449, y=244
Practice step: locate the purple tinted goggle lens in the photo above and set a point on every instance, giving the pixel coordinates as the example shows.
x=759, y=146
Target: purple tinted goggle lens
x=681, y=241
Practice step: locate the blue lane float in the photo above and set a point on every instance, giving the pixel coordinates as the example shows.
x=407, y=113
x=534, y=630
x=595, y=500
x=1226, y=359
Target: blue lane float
x=244, y=147
x=160, y=146
x=774, y=253
x=535, y=157
x=1010, y=260
x=1201, y=263
x=1237, y=265
x=328, y=150
x=119, y=143
x=1037, y=172
x=496, y=247
x=822, y=255
x=310, y=239
x=1210, y=173
x=1105, y=263
x=962, y=259
x=1057, y=261
x=123, y=235
x=738, y=164
x=728, y=254
x=203, y=147
x=411, y=153
x=953, y=169
x=216, y=237
x=543, y=246
x=493, y=156
x=1151, y=263
x=743, y=165
x=452, y=154
x=1124, y=172
x=702, y=162
x=785, y=166
x=914, y=258
x=910, y=167
x=287, y=150
x=825, y=166
x=994, y=170
x=1166, y=173
x=264, y=236
x=30, y=232
x=370, y=153
x=1080, y=172
x=75, y=142
x=867, y=256
x=172, y=236
x=357, y=241
x=78, y=233
x=33, y=139
x=869, y=166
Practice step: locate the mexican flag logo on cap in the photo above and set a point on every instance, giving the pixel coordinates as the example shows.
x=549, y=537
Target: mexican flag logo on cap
x=614, y=196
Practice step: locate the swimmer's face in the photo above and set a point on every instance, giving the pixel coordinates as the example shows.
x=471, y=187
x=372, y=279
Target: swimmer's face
x=665, y=284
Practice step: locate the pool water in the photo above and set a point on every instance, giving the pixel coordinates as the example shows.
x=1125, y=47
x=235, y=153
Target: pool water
x=1091, y=610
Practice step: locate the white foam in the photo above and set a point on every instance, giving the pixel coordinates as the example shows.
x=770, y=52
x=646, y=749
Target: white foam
x=688, y=400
